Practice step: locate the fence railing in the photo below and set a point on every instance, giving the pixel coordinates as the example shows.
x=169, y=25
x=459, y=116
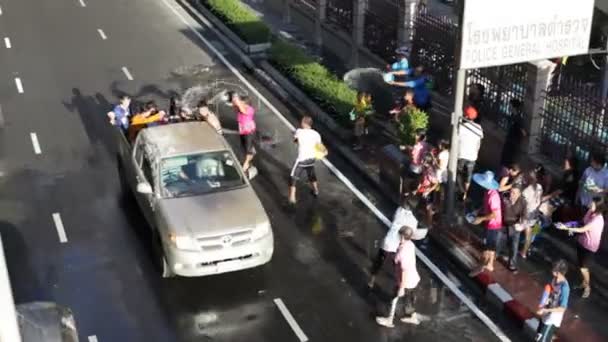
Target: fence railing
x=574, y=122
x=501, y=85
x=340, y=13
x=433, y=47
x=381, y=26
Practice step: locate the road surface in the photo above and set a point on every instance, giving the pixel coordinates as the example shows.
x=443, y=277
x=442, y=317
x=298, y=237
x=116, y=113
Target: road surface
x=72, y=237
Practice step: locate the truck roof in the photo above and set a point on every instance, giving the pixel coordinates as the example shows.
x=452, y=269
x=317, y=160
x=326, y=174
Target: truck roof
x=182, y=138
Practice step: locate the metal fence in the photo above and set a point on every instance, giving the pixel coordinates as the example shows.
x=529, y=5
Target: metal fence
x=502, y=85
x=381, y=23
x=574, y=122
x=340, y=13
x=433, y=47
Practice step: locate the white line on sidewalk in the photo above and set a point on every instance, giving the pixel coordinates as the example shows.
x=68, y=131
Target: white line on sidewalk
x=82, y=4
x=35, y=143
x=7, y=42
x=60, y=229
x=19, y=85
x=127, y=73
x=290, y=320
x=102, y=34
x=93, y=338
x=463, y=298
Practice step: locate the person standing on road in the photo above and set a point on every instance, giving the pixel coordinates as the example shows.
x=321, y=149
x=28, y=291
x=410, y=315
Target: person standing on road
x=308, y=141
x=514, y=212
x=403, y=217
x=469, y=144
x=492, y=217
x=247, y=127
x=589, y=240
x=119, y=115
x=594, y=181
x=407, y=279
x=553, y=303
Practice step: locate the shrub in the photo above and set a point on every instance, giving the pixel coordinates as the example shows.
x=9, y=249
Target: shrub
x=329, y=92
x=412, y=120
x=240, y=19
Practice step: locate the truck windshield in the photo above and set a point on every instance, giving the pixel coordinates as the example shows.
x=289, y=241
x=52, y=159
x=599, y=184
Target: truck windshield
x=199, y=174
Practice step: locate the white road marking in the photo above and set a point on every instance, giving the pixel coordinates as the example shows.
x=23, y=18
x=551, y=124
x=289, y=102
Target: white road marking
x=102, y=34
x=7, y=42
x=60, y=229
x=1, y=117
x=0, y=10
x=290, y=320
x=93, y=338
x=482, y=316
x=19, y=85
x=35, y=143
x=127, y=73
x=82, y=4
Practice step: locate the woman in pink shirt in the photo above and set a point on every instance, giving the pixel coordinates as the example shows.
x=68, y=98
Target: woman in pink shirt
x=589, y=239
x=493, y=218
x=247, y=128
x=420, y=149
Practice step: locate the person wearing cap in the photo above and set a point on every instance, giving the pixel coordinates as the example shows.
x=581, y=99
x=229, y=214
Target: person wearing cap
x=402, y=66
x=492, y=209
x=469, y=143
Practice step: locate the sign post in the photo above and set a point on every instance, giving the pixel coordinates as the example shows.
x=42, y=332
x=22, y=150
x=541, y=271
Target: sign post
x=498, y=32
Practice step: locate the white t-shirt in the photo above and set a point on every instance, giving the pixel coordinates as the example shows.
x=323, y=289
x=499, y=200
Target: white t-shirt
x=592, y=182
x=307, y=140
x=403, y=217
x=442, y=171
x=469, y=143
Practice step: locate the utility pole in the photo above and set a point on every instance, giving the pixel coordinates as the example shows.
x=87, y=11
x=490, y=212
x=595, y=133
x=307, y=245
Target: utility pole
x=456, y=118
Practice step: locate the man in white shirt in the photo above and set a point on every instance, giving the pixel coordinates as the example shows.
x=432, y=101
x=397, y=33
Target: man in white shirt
x=403, y=217
x=470, y=136
x=308, y=141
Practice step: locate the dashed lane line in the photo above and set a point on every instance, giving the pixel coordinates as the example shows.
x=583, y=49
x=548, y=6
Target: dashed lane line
x=7, y=42
x=102, y=34
x=82, y=4
x=290, y=320
x=421, y=256
x=93, y=338
x=63, y=238
x=35, y=143
x=19, y=85
x=127, y=73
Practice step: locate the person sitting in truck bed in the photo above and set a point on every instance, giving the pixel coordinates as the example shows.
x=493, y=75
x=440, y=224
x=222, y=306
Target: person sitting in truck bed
x=150, y=115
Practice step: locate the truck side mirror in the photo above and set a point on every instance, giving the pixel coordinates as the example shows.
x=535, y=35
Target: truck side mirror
x=144, y=188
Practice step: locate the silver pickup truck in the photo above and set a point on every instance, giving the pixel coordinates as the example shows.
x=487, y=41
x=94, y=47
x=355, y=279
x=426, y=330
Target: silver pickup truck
x=205, y=217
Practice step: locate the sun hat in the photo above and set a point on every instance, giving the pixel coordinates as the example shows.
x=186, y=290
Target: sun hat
x=486, y=180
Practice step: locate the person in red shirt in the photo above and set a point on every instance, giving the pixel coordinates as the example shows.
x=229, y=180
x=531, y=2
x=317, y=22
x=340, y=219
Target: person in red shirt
x=493, y=218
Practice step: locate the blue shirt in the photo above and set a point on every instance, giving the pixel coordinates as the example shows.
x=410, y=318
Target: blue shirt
x=422, y=95
x=401, y=65
x=122, y=117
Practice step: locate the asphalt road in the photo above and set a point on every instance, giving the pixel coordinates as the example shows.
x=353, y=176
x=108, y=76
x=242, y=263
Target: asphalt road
x=69, y=77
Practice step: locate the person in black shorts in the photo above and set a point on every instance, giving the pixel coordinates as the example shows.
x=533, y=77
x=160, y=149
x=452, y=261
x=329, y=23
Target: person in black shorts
x=308, y=141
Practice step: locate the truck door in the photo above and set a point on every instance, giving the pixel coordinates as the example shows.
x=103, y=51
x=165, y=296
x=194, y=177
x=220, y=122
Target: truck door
x=147, y=201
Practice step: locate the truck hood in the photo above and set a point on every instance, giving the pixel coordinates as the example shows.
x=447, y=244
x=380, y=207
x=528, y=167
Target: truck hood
x=213, y=214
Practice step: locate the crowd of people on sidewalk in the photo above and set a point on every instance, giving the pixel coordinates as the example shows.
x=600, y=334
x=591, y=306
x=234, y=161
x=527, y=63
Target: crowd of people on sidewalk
x=518, y=201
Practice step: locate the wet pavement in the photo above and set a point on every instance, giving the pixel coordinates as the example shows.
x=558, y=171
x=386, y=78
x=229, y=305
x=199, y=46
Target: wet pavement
x=105, y=271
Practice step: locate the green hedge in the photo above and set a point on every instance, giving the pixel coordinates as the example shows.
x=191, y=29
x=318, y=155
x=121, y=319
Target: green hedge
x=329, y=92
x=411, y=120
x=240, y=19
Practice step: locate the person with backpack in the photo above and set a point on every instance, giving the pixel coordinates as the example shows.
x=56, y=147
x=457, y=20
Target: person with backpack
x=553, y=303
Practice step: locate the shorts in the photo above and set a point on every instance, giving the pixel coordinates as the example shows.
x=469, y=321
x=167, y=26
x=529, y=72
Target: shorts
x=584, y=256
x=409, y=300
x=305, y=166
x=465, y=169
x=491, y=239
x=429, y=199
x=247, y=141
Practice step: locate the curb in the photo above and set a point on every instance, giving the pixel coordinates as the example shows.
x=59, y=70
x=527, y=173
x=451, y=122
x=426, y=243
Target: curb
x=494, y=293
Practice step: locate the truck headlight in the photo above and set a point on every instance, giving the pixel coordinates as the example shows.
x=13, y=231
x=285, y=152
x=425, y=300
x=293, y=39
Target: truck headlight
x=183, y=242
x=260, y=231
